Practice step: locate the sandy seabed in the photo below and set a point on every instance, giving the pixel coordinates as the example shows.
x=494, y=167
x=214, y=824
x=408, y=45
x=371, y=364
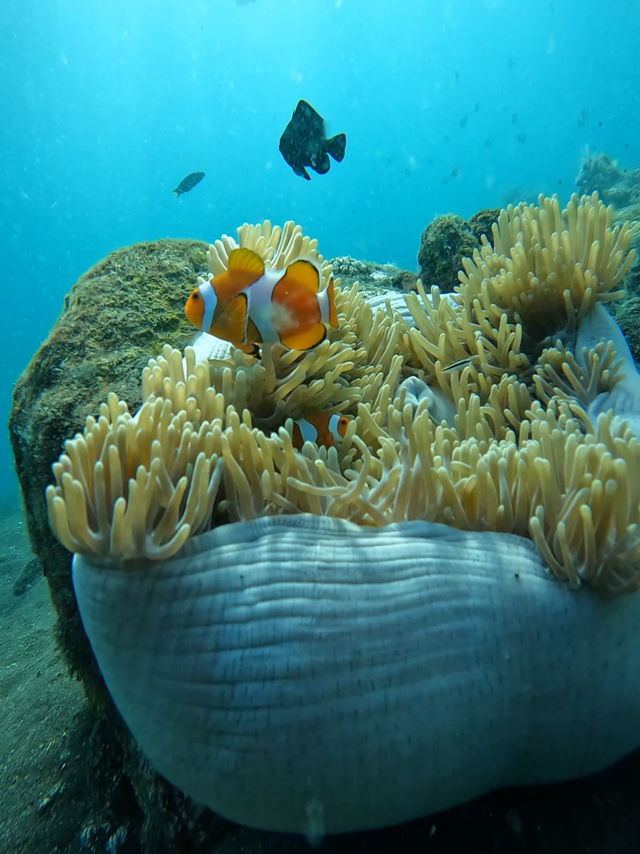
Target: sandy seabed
x=49, y=806
x=44, y=715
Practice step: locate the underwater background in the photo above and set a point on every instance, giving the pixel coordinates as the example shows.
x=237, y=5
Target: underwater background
x=454, y=106
x=451, y=106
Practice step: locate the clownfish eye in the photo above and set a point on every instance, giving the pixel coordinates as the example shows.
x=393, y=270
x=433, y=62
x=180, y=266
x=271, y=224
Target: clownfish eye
x=195, y=294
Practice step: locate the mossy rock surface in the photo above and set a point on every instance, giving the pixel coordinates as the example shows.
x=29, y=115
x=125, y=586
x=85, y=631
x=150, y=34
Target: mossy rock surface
x=115, y=317
x=370, y=276
x=446, y=241
x=615, y=186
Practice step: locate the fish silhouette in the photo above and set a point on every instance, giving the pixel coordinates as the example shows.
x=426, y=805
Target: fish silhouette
x=304, y=143
x=188, y=183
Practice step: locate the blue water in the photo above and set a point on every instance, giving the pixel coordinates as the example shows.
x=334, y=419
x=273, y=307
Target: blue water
x=107, y=104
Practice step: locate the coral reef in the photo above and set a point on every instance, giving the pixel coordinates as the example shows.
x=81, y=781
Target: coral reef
x=202, y=436
x=620, y=188
x=601, y=174
x=491, y=413
x=371, y=277
x=446, y=241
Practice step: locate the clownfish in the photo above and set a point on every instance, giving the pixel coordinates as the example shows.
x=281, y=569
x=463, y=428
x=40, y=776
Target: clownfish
x=249, y=304
x=323, y=428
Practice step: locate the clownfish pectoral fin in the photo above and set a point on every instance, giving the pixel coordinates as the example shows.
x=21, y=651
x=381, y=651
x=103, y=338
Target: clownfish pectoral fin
x=245, y=261
x=252, y=339
x=305, y=340
x=333, y=314
x=305, y=275
x=230, y=320
x=253, y=333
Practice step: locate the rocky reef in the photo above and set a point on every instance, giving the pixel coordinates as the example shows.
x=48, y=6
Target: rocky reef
x=371, y=276
x=621, y=188
x=615, y=186
x=446, y=241
x=118, y=312
x=115, y=317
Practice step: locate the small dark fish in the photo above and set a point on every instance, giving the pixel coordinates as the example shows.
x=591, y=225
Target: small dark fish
x=188, y=183
x=304, y=143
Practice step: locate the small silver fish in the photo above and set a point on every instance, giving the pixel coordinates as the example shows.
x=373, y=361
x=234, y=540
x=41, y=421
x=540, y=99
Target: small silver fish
x=458, y=364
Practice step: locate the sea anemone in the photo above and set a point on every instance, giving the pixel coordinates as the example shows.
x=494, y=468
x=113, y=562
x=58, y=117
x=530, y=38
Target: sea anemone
x=329, y=639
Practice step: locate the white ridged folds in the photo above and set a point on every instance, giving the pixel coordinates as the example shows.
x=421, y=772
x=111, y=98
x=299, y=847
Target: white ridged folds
x=305, y=674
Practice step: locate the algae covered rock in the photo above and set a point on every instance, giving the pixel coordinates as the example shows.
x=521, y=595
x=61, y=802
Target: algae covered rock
x=370, y=276
x=620, y=188
x=615, y=186
x=446, y=241
x=115, y=316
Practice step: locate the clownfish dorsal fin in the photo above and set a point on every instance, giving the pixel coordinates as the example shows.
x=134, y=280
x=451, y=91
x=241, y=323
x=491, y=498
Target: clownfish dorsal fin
x=304, y=274
x=245, y=261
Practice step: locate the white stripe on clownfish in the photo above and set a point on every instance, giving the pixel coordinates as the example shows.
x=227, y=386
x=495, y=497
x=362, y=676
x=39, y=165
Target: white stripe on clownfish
x=324, y=305
x=321, y=428
x=338, y=425
x=209, y=301
x=260, y=306
x=308, y=432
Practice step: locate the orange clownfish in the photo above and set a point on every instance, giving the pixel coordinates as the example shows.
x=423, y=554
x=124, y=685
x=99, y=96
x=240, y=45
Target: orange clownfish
x=249, y=303
x=323, y=428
